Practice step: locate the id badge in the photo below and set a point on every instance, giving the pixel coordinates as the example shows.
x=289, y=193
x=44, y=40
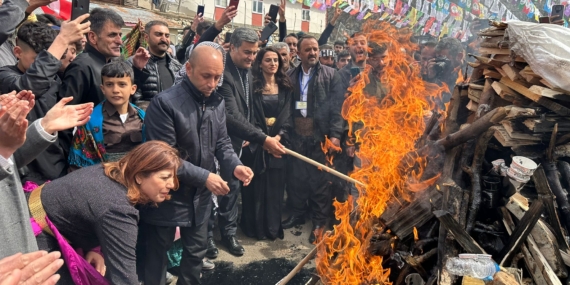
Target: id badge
x=300, y=105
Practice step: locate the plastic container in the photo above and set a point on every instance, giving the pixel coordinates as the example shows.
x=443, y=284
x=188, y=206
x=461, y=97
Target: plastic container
x=524, y=165
x=480, y=268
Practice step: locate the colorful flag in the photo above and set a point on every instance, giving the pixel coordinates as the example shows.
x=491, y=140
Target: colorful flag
x=60, y=9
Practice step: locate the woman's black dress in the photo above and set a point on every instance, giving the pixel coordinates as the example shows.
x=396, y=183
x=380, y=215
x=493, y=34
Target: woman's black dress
x=262, y=200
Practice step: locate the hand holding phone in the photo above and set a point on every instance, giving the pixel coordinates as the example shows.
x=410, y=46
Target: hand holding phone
x=78, y=8
x=557, y=13
x=268, y=31
x=234, y=3
x=200, y=10
x=273, y=10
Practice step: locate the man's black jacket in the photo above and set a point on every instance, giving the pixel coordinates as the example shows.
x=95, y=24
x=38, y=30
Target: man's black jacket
x=240, y=127
x=327, y=98
x=148, y=80
x=185, y=119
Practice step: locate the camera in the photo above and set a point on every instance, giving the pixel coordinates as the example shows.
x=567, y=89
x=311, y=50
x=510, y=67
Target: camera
x=442, y=65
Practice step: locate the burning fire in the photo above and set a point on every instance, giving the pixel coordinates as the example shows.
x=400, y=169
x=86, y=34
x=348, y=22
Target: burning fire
x=391, y=128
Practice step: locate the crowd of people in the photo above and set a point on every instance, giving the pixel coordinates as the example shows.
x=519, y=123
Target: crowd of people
x=103, y=159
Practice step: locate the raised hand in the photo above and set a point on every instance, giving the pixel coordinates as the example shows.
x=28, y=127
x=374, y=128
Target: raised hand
x=229, y=14
x=336, y=15
x=198, y=18
x=62, y=117
x=141, y=58
x=282, y=11
x=243, y=174
x=13, y=127
x=73, y=31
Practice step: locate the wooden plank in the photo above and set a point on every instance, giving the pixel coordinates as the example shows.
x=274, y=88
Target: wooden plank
x=546, y=102
x=529, y=261
x=502, y=72
x=492, y=73
x=507, y=141
x=544, y=240
x=461, y=236
x=545, y=125
x=505, y=92
x=517, y=135
x=508, y=58
x=547, y=92
x=521, y=232
x=472, y=105
x=512, y=72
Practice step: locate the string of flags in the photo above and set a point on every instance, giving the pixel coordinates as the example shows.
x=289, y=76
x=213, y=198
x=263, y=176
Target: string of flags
x=438, y=18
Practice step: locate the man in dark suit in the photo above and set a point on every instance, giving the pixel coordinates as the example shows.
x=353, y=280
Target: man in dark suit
x=191, y=117
x=237, y=92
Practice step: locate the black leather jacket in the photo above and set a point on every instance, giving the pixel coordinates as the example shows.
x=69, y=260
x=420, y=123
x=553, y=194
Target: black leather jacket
x=149, y=84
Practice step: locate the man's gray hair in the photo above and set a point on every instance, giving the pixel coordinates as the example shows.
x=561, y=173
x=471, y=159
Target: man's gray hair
x=281, y=45
x=241, y=35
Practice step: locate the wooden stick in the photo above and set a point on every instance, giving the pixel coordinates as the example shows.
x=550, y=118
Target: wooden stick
x=323, y=167
x=302, y=263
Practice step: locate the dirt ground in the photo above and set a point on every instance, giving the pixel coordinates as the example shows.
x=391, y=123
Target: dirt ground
x=264, y=262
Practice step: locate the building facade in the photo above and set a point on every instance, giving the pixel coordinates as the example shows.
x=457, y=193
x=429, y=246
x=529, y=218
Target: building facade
x=251, y=13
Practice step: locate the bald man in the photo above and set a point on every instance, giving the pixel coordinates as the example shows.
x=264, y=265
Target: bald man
x=191, y=117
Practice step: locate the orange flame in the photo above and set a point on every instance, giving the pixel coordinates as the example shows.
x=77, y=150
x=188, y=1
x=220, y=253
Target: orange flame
x=391, y=127
x=330, y=150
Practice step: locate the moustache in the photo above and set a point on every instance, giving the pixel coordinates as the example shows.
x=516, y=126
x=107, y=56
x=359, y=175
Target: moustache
x=162, y=43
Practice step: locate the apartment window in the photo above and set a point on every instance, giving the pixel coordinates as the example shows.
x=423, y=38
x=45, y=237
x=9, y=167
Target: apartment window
x=221, y=3
x=306, y=15
x=257, y=6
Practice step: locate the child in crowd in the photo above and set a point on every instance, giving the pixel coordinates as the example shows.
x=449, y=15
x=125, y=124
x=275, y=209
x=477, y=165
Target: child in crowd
x=116, y=125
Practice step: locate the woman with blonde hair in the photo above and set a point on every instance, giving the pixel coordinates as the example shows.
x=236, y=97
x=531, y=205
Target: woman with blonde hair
x=96, y=207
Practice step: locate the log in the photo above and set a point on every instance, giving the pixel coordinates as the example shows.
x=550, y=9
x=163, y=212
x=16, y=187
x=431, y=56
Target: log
x=521, y=232
x=546, y=102
x=561, y=199
x=543, y=239
x=451, y=202
x=475, y=173
x=475, y=129
x=530, y=263
x=415, y=214
x=545, y=194
x=485, y=100
x=495, y=42
x=461, y=236
x=451, y=124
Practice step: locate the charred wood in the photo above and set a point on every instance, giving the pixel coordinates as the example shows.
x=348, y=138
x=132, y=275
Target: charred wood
x=521, y=232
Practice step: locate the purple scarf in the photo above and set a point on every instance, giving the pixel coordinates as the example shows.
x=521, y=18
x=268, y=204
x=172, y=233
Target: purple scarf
x=82, y=272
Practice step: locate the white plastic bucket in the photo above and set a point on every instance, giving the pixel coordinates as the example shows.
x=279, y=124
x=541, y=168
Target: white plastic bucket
x=524, y=165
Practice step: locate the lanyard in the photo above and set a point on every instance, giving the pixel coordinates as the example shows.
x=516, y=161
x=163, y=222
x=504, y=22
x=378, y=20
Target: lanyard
x=301, y=81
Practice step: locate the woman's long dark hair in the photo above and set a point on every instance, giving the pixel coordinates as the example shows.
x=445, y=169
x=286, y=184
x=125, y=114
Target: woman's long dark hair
x=281, y=77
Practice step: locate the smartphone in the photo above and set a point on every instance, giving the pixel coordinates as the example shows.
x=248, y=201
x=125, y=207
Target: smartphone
x=78, y=8
x=200, y=10
x=234, y=3
x=268, y=31
x=557, y=12
x=273, y=10
x=228, y=37
x=354, y=71
x=544, y=20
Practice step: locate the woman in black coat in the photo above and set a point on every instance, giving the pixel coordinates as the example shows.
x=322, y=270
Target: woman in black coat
x=262, y=200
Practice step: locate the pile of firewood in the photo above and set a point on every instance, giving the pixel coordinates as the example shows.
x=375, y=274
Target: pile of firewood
x=505, y=110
